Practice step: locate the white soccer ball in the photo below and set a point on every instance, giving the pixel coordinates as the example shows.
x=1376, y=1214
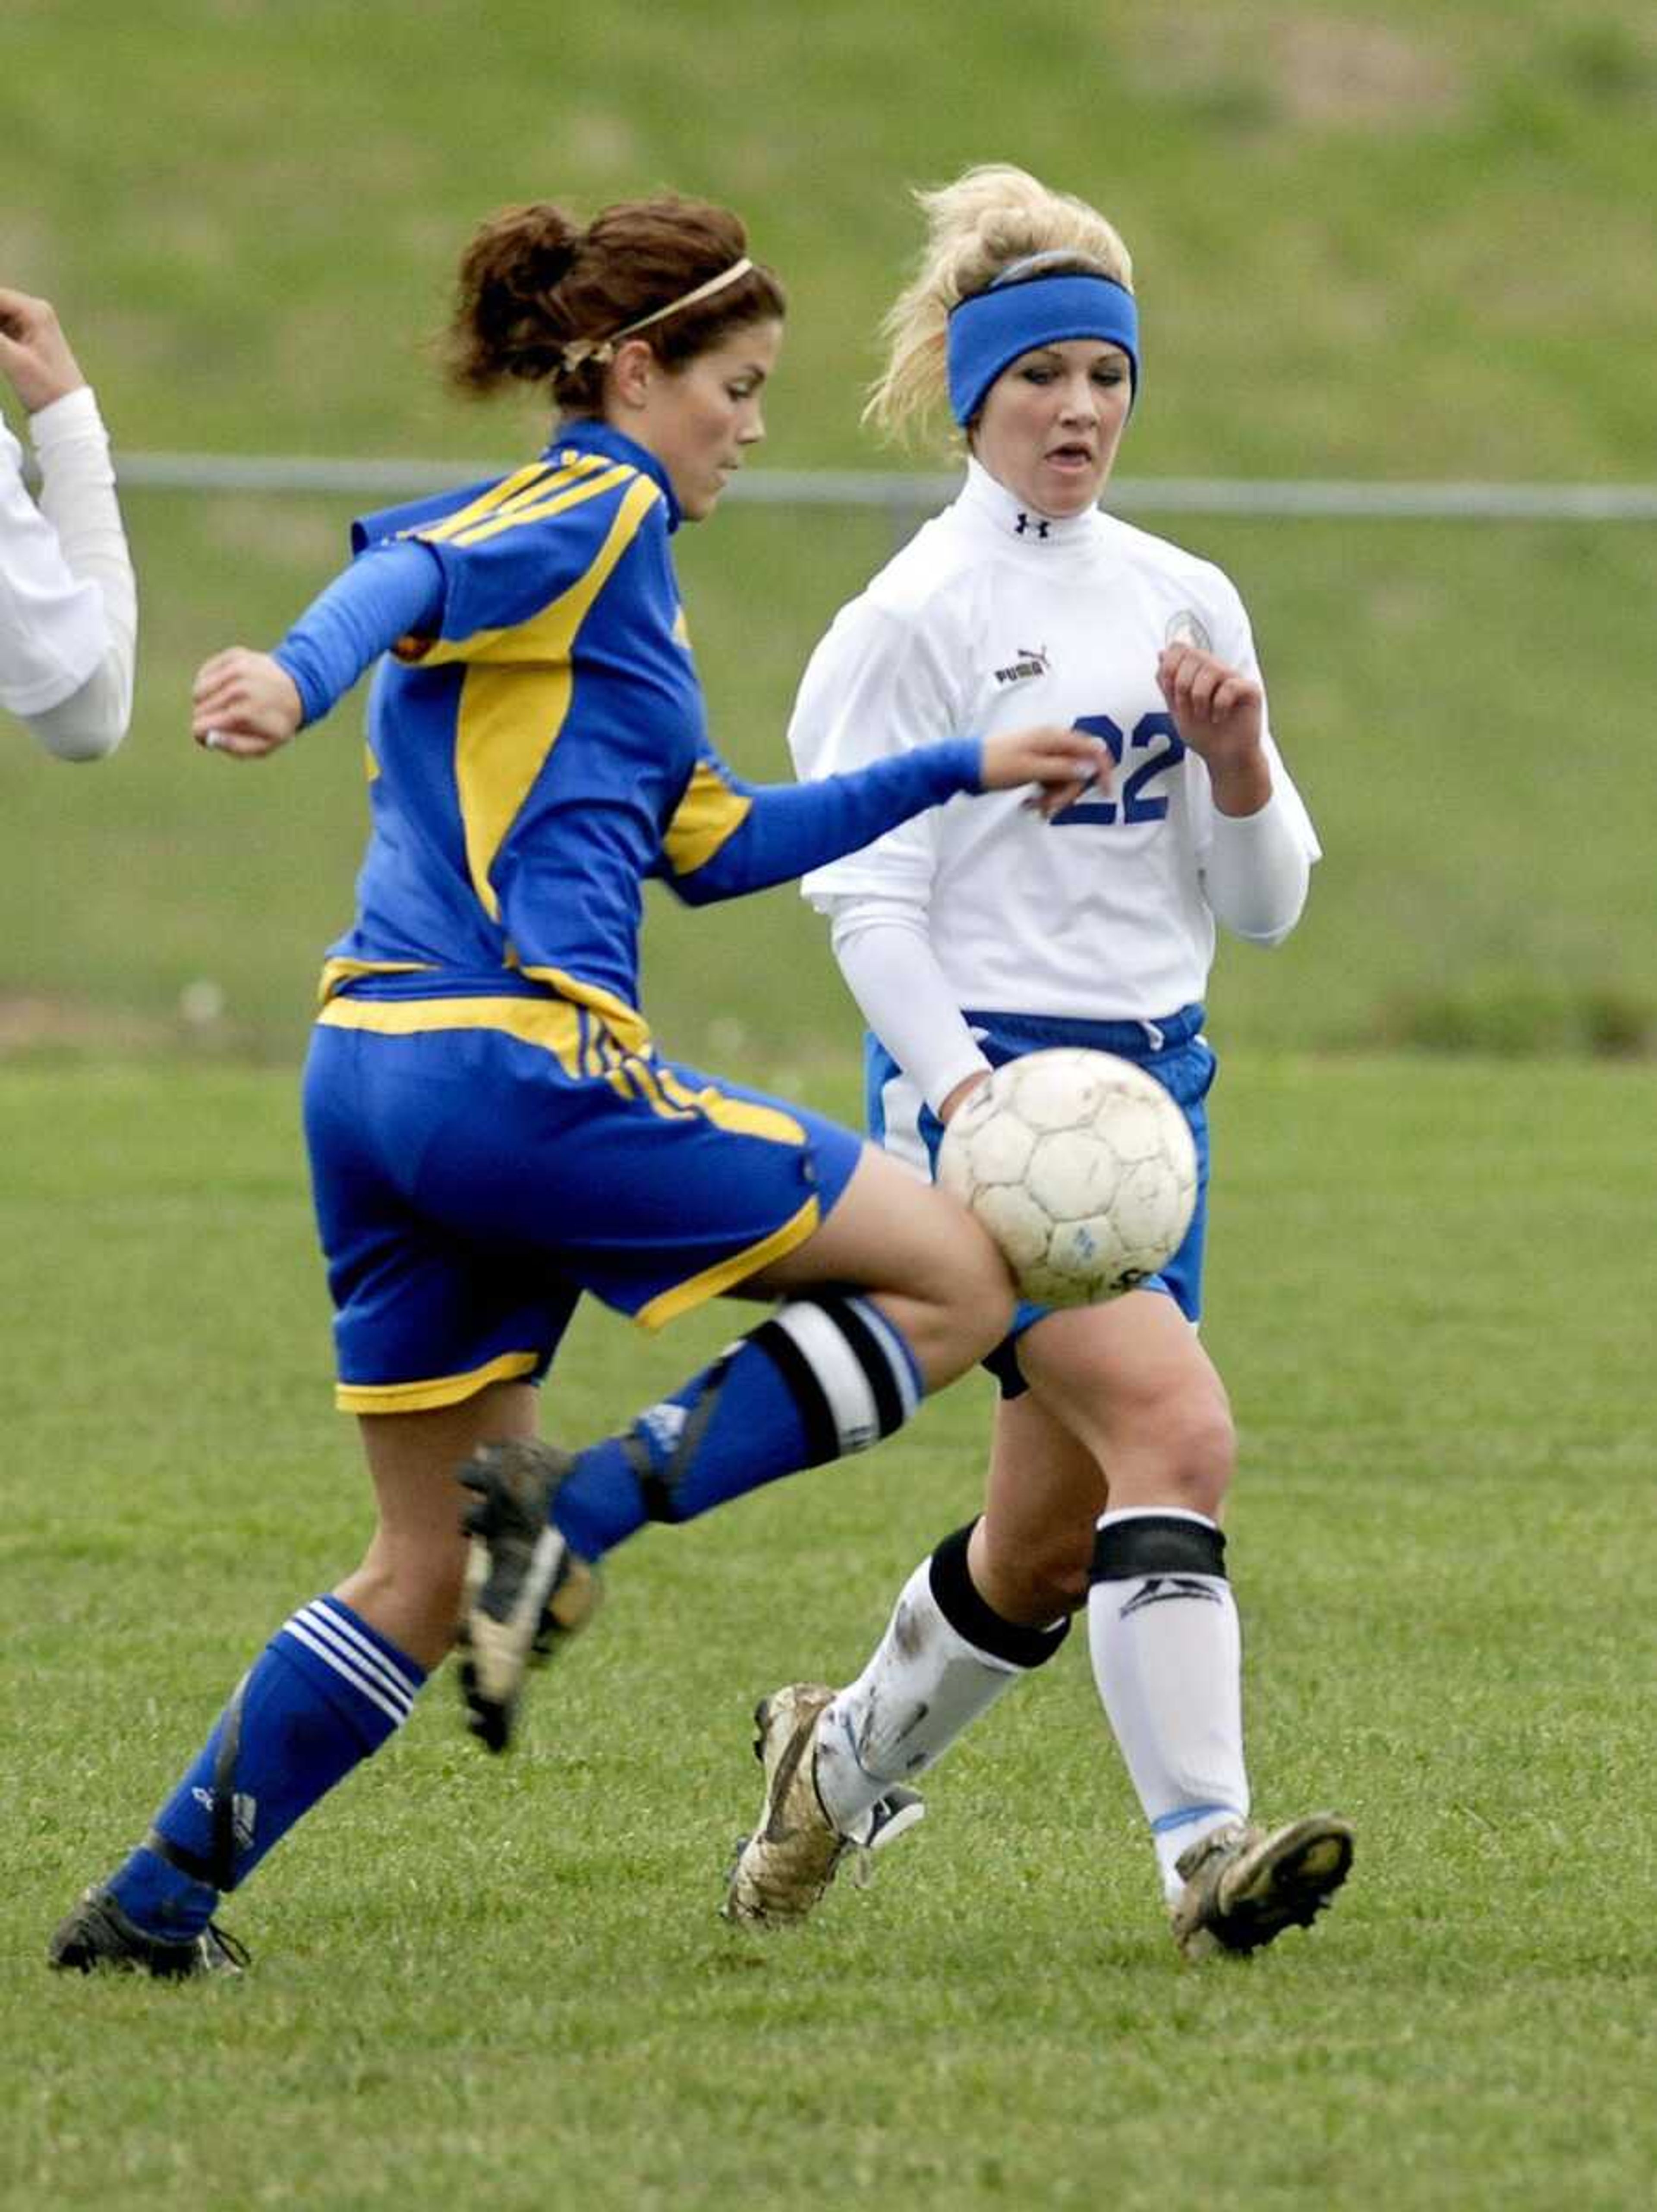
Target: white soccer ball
x=1081, y=1167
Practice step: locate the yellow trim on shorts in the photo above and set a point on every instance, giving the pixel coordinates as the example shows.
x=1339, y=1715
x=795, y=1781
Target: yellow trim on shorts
x=713, y=1281
x=438, y=1390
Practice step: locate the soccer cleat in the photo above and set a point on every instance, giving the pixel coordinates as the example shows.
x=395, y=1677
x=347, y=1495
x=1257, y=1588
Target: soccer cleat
x=97, y=1936
x=527, y=1591
x=783, y=1868
x=1243, y=1886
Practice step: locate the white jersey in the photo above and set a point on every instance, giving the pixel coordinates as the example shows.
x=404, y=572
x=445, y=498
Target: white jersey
x=992, y=618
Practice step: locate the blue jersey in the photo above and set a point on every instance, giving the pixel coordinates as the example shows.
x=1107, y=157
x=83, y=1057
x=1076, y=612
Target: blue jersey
x=543, y=751
x=492, y=1130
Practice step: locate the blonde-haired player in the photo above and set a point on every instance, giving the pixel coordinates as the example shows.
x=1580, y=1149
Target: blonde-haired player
x=69, y=607
x=967, y=938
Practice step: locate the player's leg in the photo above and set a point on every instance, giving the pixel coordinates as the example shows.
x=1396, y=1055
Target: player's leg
x=895, y=1293
x=960, y=1633
x=334, y=1683
x=1131, y=1381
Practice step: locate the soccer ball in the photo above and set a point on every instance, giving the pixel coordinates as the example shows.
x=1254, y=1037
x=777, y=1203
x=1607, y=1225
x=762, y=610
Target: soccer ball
x=1081, y=1167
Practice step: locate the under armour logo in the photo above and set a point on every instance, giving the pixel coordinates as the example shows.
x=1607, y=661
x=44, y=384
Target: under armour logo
x=1026, y=523
x=1158, y=1590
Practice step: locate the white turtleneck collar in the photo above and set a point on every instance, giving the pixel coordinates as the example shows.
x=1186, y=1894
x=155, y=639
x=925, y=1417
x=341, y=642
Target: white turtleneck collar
x=987, y=496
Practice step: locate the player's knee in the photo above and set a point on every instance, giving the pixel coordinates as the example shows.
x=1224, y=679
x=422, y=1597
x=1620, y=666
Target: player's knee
x=1048, y=1574
x=1199, y=1447
x=418, y=1584
x=977, y=1296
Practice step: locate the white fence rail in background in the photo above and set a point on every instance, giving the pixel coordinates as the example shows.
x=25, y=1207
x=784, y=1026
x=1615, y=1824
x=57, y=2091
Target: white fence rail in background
x=904, y=496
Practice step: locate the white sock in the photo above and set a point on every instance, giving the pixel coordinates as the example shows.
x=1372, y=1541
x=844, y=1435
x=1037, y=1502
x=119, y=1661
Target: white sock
x=924, y=1685
x=1168, y=1659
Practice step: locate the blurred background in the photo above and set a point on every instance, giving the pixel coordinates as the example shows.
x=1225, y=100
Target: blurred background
x=1408, y=243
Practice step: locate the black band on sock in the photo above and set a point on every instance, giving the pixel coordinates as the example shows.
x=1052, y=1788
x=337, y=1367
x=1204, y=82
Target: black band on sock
x=816, y=1414
x=872, y=1357
x=958, y=1600
x=218, y=1867
x=658, y=1486
x=1157, y=1544
x=223, y=1875
x=199, y=1869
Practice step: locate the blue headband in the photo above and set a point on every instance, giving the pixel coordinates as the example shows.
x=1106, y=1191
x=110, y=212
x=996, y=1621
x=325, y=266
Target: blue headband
x=989, y=330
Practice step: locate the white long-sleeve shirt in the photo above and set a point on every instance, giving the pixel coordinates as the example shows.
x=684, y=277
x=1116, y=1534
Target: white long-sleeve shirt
x=67, y=599
x=991, y=618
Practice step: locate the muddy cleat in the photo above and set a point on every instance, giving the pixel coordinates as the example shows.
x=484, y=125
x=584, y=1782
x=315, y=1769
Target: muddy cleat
x=527, y=1591
x=1243, y=1886
x=97, y=1936
x=784, y=1866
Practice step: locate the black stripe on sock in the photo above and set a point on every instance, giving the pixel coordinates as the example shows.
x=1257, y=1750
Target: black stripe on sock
x=223, y=1876
x=1157, y=1544
x=872, y=1357
x=967, y=1613
x=183, y=1861
x=821, y=1430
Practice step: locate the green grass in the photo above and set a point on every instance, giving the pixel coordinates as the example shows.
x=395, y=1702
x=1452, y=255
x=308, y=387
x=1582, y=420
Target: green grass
x=504, y=1983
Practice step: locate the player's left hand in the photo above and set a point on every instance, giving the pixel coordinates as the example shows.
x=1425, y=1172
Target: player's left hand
x=1218, y=710
x=244, y=704
x=34, y=355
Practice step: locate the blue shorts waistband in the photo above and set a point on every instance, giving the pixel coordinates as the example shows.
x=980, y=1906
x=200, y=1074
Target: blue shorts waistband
x=1132, y=1040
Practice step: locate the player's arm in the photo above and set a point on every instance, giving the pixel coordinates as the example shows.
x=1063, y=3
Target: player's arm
x=1257, y=868
x=728, y=837
x=68, y=600
x=883, y=947
x=248, y=704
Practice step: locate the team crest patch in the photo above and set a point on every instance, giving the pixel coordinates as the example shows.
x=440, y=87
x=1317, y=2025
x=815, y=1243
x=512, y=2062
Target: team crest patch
x=1188, y=628
x=1027, y=661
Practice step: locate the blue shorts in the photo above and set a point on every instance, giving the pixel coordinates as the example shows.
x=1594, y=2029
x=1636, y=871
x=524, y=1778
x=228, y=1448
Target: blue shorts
x=1174, y=1050
x=479, y=1162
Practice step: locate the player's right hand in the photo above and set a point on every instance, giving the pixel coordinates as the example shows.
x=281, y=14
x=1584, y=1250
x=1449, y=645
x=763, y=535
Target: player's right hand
x=1064, y=763
x=244, y=704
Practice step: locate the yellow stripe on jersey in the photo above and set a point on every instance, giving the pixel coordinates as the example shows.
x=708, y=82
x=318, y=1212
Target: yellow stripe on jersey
x=708, y=813
x=715, y=1280
x=537, y=637
x=507, y=721
x=531, y=482
x=438, y=1390
x=549, y=501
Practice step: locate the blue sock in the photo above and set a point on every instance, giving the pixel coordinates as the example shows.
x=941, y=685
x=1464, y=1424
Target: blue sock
x=325, y=1691
x=826, y=1375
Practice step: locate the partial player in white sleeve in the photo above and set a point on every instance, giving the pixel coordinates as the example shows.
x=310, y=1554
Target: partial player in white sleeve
x=68, y=601
x=981, y=932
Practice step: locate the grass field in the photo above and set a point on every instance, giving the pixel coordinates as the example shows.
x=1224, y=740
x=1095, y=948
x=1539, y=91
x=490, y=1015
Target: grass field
x=503, y=1984
x=1405, y=242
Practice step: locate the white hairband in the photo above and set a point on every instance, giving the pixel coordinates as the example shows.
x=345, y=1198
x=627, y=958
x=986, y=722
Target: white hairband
x=579, y=351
